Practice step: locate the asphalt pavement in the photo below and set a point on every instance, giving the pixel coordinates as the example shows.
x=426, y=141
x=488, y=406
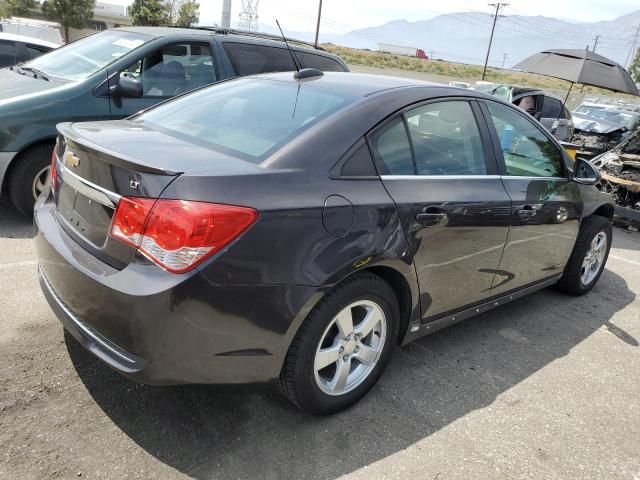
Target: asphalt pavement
x=547, y=387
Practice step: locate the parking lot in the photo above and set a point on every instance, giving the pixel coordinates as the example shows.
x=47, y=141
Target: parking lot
x=546, y=387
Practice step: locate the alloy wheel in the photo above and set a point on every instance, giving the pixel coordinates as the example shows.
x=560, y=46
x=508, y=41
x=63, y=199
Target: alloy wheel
x=594, y=258
x=350, y=347
x=40, y=182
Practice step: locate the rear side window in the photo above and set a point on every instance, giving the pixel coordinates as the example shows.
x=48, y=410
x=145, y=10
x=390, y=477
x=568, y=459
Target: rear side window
x=446, y=139
x=8, y=54
x=325, y=64
x=359, y=163
x=392, y=149
x=248, y=59
x=551, y=108
x=246, y=118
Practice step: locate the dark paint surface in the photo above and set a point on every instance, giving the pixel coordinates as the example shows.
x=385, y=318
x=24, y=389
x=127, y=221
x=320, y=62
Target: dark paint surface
x=233, y=317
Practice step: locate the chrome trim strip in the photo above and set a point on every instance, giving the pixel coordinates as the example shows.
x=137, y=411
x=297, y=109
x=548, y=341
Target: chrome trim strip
x=524, y=177
x=440, y=177
x=85, y=329
x=87, y=188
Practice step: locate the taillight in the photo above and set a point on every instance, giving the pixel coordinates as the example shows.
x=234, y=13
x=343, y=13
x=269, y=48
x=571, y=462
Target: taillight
x=178, y=234
x=53, y=172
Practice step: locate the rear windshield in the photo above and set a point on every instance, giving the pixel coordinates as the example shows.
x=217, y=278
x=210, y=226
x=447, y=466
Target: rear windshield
x=246, y=118
x=83, y=58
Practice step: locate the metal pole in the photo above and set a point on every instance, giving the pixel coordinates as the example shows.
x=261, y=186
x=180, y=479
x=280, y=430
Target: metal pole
x=315, y=44
x=595, y=44
x=493, y=27
x=504, y=59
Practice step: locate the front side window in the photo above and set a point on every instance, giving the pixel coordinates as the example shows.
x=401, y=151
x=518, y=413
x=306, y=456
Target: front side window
x=392, y=149
x=527, y=150
x=83, y=58
x=246, y=118
x=446, y=139
x=174, y=69
x=34, y=51
x=249, y=59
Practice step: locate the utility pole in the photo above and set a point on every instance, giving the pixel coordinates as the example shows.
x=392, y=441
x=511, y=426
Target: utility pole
x=318, y=24
x=495, y=18
x=504, y=59
x=595, y=43
x=431, y=53
x=632, y=50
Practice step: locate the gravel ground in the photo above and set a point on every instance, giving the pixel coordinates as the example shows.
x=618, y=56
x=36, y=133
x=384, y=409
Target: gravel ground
x=545, y=387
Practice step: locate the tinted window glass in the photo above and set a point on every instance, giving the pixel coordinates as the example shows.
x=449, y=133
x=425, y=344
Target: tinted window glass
x=446, y=139
x=527, y=151
x=174, y=69
x=325, y=64
x=248, y=59
x=7, y=54
x=248, y=118
x=392, y=149
x=551, y=108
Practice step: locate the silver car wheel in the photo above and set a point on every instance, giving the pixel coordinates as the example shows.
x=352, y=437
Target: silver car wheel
x=40, y=182
x=350, y=347
x=594, y=258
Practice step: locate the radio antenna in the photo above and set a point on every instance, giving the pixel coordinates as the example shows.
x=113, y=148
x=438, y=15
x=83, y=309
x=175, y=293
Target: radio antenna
x=293, y=57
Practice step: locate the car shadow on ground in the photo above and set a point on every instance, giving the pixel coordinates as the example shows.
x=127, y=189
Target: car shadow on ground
x=250, y=432
x=12, y=223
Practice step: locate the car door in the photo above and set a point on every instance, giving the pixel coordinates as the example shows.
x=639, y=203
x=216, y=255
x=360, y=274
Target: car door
x=170, y=70
x=436, y=163
x=546, y=206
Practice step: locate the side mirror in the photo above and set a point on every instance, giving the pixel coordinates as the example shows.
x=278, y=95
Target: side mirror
x=128, y=87
x=585, y=173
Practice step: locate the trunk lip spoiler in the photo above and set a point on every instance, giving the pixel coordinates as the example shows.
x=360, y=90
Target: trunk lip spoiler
x=88, y=146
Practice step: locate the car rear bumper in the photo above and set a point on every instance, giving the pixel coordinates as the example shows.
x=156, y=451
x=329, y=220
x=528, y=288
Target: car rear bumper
x=159, y=328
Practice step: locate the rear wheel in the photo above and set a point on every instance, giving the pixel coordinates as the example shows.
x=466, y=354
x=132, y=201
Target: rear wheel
x=342, y=347
x=589, y=256
x=29, y=177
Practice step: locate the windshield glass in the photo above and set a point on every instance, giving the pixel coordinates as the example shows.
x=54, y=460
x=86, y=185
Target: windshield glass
x=247, y=118
x=80, y=59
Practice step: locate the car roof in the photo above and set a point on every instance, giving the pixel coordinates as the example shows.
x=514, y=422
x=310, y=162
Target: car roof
x=363, y=84
x=230, y=35
x=23, y=38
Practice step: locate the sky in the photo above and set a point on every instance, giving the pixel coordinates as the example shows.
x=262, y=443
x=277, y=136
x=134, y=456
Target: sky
x=341, y=16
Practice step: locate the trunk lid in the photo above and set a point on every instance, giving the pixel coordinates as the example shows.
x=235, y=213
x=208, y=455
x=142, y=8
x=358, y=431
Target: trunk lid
x=100, y=162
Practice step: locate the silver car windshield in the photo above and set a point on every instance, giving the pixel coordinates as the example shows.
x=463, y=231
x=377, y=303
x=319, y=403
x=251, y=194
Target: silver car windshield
x=83, y=58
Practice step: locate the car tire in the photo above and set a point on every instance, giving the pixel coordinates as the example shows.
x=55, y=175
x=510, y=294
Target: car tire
x=319, y=390
x=29, y=176
x=587, y=261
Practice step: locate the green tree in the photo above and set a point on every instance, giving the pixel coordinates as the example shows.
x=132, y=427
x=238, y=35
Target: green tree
x=634, y=68
x=17, y=8
x=188, y=14
x=69, y=13
x=148, y=12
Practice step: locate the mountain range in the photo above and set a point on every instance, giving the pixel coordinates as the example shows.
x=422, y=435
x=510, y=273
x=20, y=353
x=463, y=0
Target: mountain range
x=463, y=37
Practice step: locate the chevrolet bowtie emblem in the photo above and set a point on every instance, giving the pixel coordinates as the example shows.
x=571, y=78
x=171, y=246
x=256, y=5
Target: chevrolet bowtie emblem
x=71, y=159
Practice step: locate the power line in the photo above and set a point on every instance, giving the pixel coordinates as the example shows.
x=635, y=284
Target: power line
x=493, y=27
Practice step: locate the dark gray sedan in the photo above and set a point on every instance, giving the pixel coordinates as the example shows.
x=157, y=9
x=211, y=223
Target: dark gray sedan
x=295, y=227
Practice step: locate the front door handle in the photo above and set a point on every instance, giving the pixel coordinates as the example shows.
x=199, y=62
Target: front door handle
x=526, y=211
x=431, y=216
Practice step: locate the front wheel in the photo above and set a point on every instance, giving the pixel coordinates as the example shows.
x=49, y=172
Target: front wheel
x=29, y=177
x=589, y=256
x=342, y=347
